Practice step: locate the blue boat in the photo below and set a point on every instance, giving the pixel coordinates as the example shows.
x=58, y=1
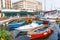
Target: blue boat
x=15, y=25
x=59, y=24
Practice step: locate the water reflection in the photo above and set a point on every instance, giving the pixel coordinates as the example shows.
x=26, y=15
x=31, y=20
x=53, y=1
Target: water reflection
x=54, y=35
x=20, y=37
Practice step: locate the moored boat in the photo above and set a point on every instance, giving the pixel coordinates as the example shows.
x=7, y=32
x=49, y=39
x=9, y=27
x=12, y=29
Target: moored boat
x=35, y=30
x=16, y=24
x=40, y=32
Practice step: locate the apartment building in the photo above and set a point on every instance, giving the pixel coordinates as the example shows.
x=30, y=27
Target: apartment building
x=28, y=5
x=5, y=4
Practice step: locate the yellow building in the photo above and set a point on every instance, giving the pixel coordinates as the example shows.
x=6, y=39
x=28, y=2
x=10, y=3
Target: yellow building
x=28, y=5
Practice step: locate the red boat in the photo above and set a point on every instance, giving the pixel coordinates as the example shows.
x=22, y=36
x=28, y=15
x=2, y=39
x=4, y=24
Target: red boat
x=36, y=32
x=40, y=32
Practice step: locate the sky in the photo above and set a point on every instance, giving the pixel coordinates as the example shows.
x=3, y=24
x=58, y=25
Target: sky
x=47, y=4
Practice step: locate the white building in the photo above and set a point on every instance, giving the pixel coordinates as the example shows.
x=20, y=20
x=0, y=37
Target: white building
x=28, y=5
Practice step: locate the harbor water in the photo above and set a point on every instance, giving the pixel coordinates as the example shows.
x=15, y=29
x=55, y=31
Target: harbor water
x=53, y=36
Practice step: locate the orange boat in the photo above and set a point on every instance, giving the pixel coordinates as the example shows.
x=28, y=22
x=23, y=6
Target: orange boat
x=30, y=18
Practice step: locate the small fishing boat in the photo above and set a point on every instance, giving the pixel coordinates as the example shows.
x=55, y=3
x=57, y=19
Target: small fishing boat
x=35, y=30
x=27, y=27
x=49, y=20
x=29, y=18
x=58, y=20
x=4, y=18
x=16, y=24
x=33, y=24
x=40, y=33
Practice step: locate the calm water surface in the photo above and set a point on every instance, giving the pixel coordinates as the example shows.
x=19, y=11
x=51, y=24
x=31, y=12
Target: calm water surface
x=53, y=36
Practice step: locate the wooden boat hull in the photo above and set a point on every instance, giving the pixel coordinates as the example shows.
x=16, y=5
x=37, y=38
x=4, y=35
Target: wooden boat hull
x=3, y=19
x=41, y=35
x=15, y=25
x=26, y=18
x=57, y=20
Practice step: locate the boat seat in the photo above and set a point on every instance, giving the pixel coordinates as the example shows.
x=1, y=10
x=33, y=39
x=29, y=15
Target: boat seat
x=38, y=30
x=42, y=29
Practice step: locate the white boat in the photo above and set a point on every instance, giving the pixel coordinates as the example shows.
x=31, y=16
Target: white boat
x=28, y=27
x=34, y=31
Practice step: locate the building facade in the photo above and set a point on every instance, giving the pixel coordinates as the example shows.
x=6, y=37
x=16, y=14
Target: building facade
x=5, y=4
x=28, y=5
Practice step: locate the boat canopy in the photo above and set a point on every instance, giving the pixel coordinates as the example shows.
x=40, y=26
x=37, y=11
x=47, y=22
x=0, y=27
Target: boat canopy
x=10, y=13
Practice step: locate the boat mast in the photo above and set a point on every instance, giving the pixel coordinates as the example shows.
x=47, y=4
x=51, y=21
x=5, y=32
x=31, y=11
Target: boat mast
x=51, y=5
x=44, y=5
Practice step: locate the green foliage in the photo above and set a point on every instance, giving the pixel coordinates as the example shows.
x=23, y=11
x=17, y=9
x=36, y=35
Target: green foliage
x=4, y=34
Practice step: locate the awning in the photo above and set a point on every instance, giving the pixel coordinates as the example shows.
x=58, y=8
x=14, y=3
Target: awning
x=10, y=13
x=15, y=13
x=25, y=12
x=30, y=13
